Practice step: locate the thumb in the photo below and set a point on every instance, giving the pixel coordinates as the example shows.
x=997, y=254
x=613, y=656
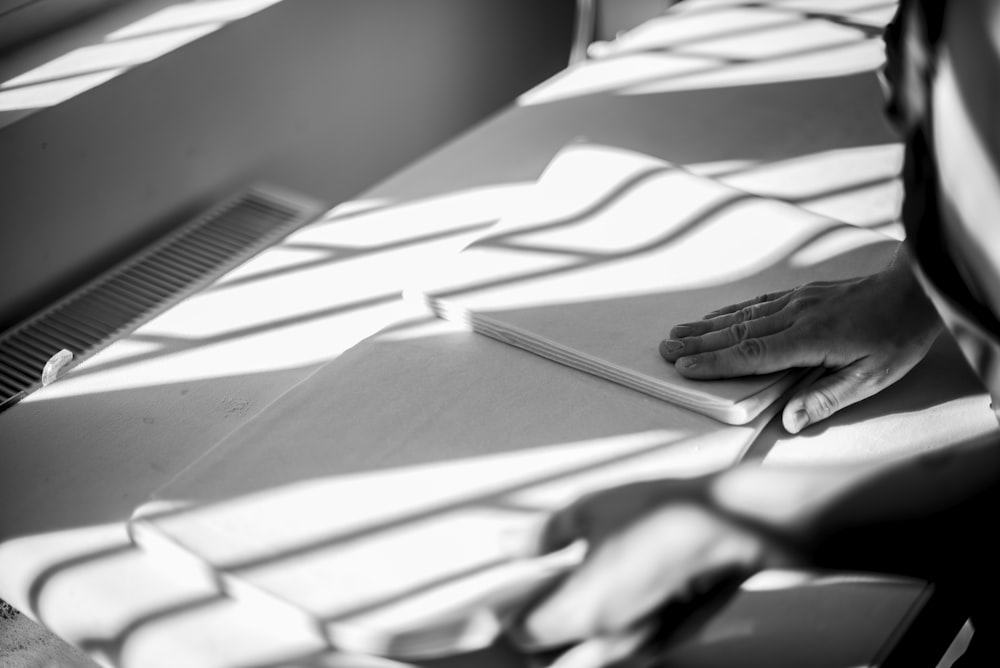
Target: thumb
x=829, y=394
x=541, y=535
x=603, y=651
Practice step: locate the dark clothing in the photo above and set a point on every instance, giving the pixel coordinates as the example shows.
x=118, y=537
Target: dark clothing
x=955, y=548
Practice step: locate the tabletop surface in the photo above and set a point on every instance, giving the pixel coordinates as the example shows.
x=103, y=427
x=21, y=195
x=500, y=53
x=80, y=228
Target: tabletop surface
x=780, y=99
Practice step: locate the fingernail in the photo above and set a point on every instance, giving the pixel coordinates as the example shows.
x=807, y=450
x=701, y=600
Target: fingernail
x=680, y=331
x=687, y=362
x=800, y=419
x=668, y=346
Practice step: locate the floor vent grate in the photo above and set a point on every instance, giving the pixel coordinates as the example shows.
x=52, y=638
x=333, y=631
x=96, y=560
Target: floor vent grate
x=35, y=352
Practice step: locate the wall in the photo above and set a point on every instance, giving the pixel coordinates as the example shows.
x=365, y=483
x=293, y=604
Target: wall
x=321, y=96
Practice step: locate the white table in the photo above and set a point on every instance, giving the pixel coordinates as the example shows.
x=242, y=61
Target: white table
x=770, y=99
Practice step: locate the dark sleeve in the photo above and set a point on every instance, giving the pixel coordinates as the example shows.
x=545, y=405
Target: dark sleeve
x=956, y=549
x=889, y=74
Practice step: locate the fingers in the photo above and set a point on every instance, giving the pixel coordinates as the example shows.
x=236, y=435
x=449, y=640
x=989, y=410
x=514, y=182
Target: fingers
x=596, y=514
x=526, y=542
x=748, y=312
x=728, y=331
x=561, y=529
x=660, y=558
x=760, y=299
x=832, y=393
x=751, y=356
x=604, y=650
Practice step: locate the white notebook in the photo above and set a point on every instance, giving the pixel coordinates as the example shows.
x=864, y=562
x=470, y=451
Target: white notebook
x=373, y=499
x=615, y=247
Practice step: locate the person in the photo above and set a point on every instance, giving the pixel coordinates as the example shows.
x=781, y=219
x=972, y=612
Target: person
x=659, y=542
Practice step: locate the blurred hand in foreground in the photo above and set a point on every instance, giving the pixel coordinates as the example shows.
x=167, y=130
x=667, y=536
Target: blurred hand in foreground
x=652, y=544
x=868, y=332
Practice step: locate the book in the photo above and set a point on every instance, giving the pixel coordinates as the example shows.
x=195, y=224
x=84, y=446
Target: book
x=614, y=247
x=789, y=618
x=372, y=500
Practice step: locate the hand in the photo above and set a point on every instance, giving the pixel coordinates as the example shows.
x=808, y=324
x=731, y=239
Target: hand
x=651, y=544
x=868, y=332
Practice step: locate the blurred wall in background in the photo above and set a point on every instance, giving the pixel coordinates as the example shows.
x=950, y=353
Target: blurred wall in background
x=320, y=96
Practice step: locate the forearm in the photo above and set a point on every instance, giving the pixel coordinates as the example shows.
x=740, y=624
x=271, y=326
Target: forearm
x=910, y=293
x=812, y=505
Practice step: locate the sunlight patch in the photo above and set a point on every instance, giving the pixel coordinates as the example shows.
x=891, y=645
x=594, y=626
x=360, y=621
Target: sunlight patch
x=144, y=40
x=837, y=241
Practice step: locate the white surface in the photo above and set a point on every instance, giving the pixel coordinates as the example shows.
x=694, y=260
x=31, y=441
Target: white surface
x=88, y=449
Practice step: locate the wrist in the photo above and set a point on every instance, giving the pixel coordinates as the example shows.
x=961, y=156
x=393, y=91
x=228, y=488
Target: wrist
x=750, y=493
x=788, y=504
x=901, y=284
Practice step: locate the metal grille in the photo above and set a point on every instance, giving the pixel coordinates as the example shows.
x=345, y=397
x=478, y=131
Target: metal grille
x=34, y=352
